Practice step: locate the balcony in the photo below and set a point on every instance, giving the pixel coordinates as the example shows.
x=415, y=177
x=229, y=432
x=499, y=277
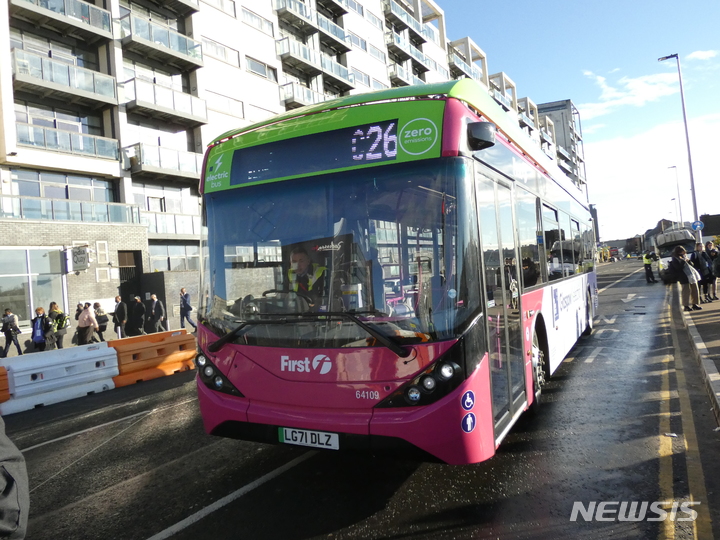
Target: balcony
x=336, y=7
x=477, y=73
x=337, y=74
x=564, y=154
x=332, y=35
x=161, y=224
x=564, y=165
x=67, y=210
x=177, y=53
x=163, y=103
x=417, y=80
x=501, y=98
x=297, y=14
x=399, y=76
x=74, y=18
x=397, y=45
x=147, y=161
x=545, y=136
x=295, y=95
x=182, y=7
x=402, y=19
x=458, y=66
x=297, y=55
x=67, y=142
x=526, y=121
x=65, y=82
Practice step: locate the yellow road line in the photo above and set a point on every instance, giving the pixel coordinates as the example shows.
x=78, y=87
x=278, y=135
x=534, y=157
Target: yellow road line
x=665, y=451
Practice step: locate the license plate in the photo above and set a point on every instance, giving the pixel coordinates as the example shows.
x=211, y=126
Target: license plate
x=306, y=437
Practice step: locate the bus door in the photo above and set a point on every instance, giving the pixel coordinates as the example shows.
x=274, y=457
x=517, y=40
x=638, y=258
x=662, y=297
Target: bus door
x=500, y=264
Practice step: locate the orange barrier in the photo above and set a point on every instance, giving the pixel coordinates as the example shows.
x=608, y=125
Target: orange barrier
x=4, y=385
x=142, y=358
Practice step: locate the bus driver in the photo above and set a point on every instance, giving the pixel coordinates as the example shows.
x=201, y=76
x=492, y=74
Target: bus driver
x=306, y=278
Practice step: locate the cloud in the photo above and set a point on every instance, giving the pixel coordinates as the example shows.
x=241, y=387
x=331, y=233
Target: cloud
x=628, y=91
x=702, y=55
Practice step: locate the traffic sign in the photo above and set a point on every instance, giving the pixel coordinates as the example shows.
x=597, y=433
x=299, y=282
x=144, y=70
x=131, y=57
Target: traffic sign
x=697, y=225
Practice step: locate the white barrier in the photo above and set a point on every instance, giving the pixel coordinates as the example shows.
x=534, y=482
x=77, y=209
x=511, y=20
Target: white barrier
x=48, y=377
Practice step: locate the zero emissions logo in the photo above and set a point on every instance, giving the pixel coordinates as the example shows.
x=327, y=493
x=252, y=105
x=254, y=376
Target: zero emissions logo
x=418, y=136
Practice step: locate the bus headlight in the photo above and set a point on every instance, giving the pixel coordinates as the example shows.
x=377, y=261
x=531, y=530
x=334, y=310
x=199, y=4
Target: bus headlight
x=428, y=383
x=446, y=371
x=208, y=371
x=213, y=378
x=218, y=382
x=200, y=361
x=413, y=394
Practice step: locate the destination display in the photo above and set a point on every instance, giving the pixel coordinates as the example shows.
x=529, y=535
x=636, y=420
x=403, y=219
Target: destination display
x=329, y=150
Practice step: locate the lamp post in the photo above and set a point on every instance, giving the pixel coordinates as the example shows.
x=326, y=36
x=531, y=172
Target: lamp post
x=677, y=184
x=687, y=139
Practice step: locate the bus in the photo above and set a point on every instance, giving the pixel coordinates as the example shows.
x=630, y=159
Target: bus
x=398, y=271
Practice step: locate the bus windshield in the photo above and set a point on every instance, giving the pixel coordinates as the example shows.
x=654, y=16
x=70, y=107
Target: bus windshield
x=393, y=246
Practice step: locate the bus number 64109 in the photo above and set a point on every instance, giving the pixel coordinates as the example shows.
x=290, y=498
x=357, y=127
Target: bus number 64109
x=367, y=394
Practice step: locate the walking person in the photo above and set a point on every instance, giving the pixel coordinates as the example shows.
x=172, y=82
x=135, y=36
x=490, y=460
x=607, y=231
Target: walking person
x=11, y=330
x=59, y=323
x=42, y=333
x=688, y=277
x=648, y=259
x=702, y=263
x=185, y=309
x=157, y=314
x=102, y=320
x=87, y=324
x=137, y=318
x=712, y=253
x=119, y=318
x=78, y=311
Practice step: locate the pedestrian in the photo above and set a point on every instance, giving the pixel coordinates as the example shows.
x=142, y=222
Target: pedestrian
x=102, y=320
x=648, y=259
x=78, y=311
x=11, y=330
x=15, y=498
x=42, y=333
x=688, y=277
x=87, y=324
x=119, y=318
x=702, y=263
x=59, y=323
x=185, y=309
x=712, y=280
x=157, y=314
x=715, y=256
x=137, y=318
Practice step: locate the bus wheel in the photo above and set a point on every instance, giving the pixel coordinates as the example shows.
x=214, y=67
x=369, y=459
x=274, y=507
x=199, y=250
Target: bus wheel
x=588, y=316
x=538, y=363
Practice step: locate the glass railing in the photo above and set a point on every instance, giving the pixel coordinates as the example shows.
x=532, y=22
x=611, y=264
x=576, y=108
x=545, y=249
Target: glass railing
x=477, y=73
x=525, y=118
x=73, y=77
x=564, y=153
x=331, y=28
x=546, y=136
x=160, y=34
x=295, y=7
x=66, y=210
x=404, y=16
x=396, y=71
x=164, y=223
x=162, y=158
x=300, y=94
x=455, y=59
x=162, y=96
x=338, y=70
x=431, y=33
x=502, y=98
x=417, y=80
x=69, y=142
x=77, y=9
x=298, y=50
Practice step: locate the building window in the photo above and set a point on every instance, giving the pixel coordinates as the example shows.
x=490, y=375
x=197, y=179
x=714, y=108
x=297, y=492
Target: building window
x=258, y=22
x=103, y=254
x=102, y=275
x=361, y=77
x=359, y=42
x=377, y=85
x=61, y=186
x=56, y=118
x=174, y=257
x=261, y=69
x=374, y=20
x=227, y=6
x=221, y=52
x=377, y=53
x=356, y=7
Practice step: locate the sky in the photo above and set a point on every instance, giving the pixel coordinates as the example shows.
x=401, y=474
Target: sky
x=604, y=57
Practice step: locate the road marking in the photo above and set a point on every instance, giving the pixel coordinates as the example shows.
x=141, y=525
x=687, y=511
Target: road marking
x=629, y=298
x=702, y=527
x=593, y=355
x=619, y=280
x=104, y=425
x=217, y=505
x=611, y=320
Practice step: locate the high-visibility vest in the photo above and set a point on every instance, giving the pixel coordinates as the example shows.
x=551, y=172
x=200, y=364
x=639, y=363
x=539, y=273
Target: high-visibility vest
x=317, y=272
x=647, y=259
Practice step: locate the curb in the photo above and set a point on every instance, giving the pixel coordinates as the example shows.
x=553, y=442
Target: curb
x=710, y=372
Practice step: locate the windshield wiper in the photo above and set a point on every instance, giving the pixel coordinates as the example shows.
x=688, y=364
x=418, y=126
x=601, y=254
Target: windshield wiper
x=379, y=336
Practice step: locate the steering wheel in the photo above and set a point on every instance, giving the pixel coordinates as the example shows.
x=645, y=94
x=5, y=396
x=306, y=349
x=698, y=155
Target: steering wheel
x=301, y=295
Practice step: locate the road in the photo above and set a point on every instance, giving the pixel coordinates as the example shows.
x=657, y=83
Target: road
x=625, y=420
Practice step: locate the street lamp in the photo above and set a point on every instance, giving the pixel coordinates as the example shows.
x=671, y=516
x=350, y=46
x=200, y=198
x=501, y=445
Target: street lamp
x=673, y=200
x=677, y=183
x=687, y=138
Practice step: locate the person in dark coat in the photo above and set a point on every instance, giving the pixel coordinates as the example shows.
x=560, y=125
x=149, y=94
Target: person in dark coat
x=11, y=330
x=137, y=318
x=120, y=317
x=680, y=269
x=42, y=333
x=185, y=309
x=59, y=325
x=157, y=314
x=15, y=496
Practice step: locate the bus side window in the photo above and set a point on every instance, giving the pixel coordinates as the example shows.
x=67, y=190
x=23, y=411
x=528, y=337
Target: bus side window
x=527, y=227
x=553, y=237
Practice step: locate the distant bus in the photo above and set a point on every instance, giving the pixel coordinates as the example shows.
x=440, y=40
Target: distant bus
x=378, y=273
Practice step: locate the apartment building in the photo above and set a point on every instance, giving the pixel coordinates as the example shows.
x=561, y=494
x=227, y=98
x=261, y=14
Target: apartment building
x=106, y=108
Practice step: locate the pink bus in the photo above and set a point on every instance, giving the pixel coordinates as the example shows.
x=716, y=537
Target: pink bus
x=395, y=271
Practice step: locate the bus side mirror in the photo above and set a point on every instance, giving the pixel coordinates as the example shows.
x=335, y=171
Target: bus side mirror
x=481, y=135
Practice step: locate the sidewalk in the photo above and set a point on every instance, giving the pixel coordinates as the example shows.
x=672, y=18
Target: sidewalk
x=704, y=330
